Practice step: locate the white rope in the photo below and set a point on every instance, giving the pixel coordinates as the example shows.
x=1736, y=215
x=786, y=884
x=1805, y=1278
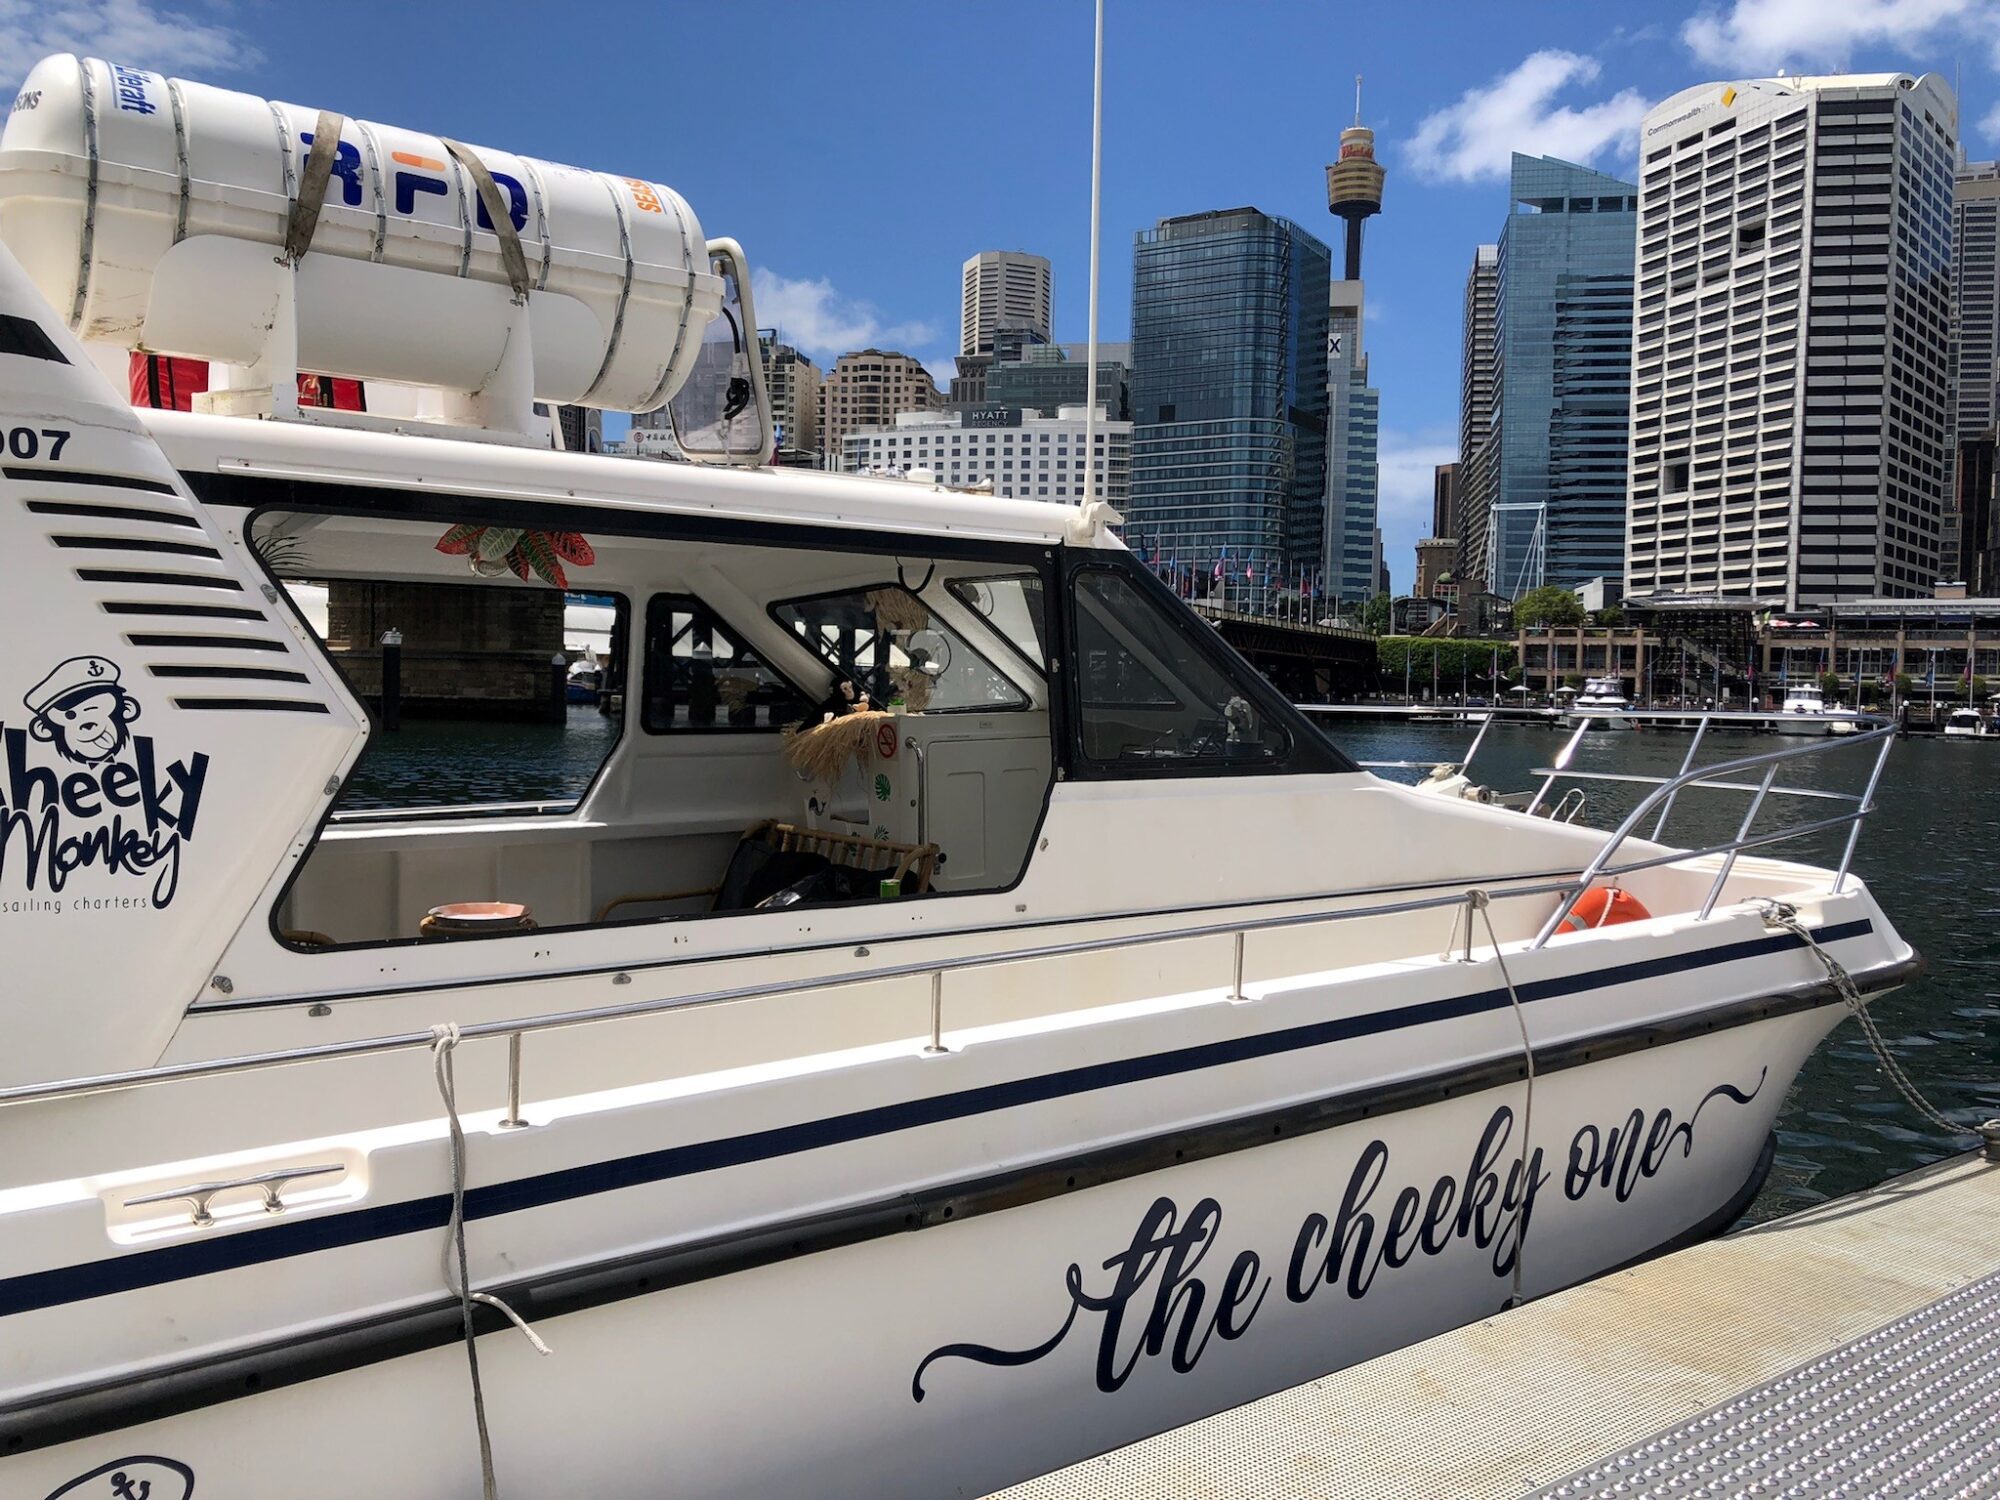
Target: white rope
x=458, y=1279
x=1483, y=903
x=1786, y=917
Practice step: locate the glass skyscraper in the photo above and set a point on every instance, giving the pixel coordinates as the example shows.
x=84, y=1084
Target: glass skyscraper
x=1564, y=313
x=1354, y=412
x=1229, y=392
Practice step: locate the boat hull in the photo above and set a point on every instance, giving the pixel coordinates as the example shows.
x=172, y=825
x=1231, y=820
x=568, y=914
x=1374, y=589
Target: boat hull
x=981, y=1351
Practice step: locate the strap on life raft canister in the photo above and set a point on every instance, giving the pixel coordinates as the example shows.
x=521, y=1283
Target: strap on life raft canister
x=1604, y=906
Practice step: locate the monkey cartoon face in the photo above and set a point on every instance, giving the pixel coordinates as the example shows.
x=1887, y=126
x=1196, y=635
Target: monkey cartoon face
x=89, y=725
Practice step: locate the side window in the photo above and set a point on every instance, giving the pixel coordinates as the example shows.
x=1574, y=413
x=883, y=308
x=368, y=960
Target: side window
x=1012, y=604
x=699, y=676
x=886, y=639
x=1149, y=691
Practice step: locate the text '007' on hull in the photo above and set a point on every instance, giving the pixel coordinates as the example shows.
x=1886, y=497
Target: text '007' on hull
x=871, y=1073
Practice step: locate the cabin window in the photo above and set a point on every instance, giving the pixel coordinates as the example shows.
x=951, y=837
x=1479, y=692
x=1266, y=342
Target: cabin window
x=700, y=676
x=1151, y=694
x=890, y=645
x=756, y=779
x=491, y=695
x=1013, y=605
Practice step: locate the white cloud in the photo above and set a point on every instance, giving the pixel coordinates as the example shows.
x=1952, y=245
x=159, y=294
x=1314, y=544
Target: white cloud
x=128, y=31
x=1766, y=35
x=1406, y=481
x=1408, y=473
x=1990, y=126
x=812, y=316
x=1474, y=139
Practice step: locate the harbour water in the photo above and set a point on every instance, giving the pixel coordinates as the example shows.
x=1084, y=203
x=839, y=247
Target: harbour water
x=1928, y=853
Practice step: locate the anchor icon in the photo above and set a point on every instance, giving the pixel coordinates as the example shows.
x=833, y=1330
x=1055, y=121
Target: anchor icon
x=122, y=1487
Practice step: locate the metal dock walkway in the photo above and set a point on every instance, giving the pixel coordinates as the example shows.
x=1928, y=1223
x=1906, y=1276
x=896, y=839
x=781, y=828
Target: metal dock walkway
x=1852, y=1349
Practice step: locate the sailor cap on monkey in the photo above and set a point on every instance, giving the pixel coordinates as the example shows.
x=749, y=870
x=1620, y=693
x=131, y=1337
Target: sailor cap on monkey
x=74, y=675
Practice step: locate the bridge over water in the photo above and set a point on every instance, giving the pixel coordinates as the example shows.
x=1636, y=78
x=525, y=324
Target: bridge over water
x=1311, y=663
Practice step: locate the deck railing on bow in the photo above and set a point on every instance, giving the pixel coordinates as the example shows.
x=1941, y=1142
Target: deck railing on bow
x=1865, y=730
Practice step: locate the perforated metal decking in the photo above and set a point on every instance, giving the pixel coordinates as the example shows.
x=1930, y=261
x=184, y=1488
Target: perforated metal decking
x=1913, y=1409
x=1850, y=1350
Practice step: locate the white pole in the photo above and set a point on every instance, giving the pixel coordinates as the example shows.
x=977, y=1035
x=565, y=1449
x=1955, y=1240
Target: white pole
x=1096, y=183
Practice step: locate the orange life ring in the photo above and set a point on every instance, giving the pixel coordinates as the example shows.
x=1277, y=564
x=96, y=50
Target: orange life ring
x=1604, y=906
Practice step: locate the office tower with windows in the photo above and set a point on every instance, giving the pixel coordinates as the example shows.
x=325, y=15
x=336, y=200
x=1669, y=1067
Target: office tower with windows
x=1968, y=547
x=1790, y=362
x=1353, y=438
x=1444, y=502
x=1017, y=454
x=1048, y=377
x=794, y=383
x=1563, y=321
x=1003, y=289
x=1229, y=390
x=867, y=389
x=1479, y=379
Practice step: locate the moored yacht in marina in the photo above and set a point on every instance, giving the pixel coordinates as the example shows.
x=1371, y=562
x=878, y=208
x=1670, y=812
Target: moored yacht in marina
x=1602, y=704
x=1804, y=710
x=1968, y=723
x=970, y=1019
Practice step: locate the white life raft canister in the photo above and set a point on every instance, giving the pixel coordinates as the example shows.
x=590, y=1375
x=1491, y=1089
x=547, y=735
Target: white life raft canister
x=123, y=190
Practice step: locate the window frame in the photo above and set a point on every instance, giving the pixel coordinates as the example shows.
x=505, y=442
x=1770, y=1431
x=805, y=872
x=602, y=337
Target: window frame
x=248, y=497
x=953, y=585
x=337, y=816
x=654, y=601
x=1311, y=752
x=840, y=674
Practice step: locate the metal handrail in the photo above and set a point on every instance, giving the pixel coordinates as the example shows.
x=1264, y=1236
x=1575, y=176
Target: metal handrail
x=554, y=1020
x=1570, y=889
x=1668, y=787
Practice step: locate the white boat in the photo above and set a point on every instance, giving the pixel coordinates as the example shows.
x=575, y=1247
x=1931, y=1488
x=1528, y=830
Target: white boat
x=1968, y=723
x=1180, y=1060
x=1603, y=704
x=1804, y=710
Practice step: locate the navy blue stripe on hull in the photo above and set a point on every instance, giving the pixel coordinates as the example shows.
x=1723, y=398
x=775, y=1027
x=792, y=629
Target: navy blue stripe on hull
x=146, y=1268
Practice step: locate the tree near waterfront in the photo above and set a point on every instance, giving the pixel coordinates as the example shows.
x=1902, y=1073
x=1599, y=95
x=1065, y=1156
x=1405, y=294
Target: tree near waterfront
x=1375, y=615
x=1412, y=657
x=1829, y=684
x=1551, y=604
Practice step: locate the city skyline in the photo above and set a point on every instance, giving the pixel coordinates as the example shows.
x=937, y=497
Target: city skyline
x=840, y=268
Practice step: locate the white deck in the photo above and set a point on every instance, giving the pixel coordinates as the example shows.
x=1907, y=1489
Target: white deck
x=1532, y=1397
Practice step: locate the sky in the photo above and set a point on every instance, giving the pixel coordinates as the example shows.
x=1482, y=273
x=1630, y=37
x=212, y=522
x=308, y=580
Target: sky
x=860, y=150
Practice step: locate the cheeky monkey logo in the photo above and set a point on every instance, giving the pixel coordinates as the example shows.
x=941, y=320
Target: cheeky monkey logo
x=80, y=790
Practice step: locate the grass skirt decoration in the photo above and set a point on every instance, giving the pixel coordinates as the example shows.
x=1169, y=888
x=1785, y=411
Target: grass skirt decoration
x=897, y=612
x=823, y=751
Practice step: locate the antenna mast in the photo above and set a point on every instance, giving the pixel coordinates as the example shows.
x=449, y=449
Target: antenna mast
x=1357, y=98
x=1096, y=187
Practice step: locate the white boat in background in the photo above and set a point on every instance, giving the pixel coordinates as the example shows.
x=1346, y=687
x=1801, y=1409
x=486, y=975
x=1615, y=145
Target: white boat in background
x=1053, y=1038
x=1602, y=704
x=1806, y=711
x=1969, y=723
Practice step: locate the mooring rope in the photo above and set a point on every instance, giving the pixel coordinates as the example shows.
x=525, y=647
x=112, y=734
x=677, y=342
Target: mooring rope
x=1481, y=902
x=444, y=1041
x=1785, y=917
